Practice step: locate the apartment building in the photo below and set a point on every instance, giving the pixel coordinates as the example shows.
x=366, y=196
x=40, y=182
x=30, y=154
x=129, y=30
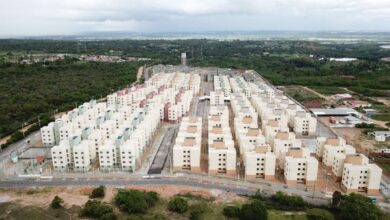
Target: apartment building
x=221, y=151
x=187, y=148
x=282, y=143
x=242, y=107
x=47, y=135
x=260, y=163
x=360, y=176
x=271, y=128
x=221, y=83
x=61, y=156
x=321, y=142
x=81, y=156
x=217, y=98
x=300, y=167
x=239, y=85
x=304, y=123
x=330, y=151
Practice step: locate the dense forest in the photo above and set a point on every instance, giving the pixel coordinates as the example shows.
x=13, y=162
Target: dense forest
x=29, y=91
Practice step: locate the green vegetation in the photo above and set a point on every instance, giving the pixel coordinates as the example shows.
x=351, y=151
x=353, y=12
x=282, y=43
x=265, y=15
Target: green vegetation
x=134, y=201
x=252, y=211
x=286, y=202
x=57, y=202
x=37, y=90
x=319, y=214
x=197, y=207
x=178, y=204
x=29, y=92
x=300, y=94
x=382, y=117
x=328, y=90
x=98, y=192
x=98, y=210
x=355, y=207
x=231, y=211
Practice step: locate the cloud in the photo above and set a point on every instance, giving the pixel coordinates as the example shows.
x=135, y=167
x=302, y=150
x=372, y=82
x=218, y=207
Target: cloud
x=35, y=17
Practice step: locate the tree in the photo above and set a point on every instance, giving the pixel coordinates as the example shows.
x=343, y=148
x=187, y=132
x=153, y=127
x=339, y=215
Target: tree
x=57, y=202
x=178, y=204
x=231, y=211
x=95, y=209
x=358, y=207
x=336, y=198
x=98, y=192
x=109, y=216
x=131, y=201
x=253, y=211
x=151, y=198
x=288, y=202
x=197, y=210
x=319, y=214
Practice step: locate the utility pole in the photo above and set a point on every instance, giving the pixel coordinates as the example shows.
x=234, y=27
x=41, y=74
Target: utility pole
x=39, y=122
x=23, y=128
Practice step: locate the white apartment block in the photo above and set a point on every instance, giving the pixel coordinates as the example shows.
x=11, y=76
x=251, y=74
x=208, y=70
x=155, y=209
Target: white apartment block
x=47, y=135
x=187, y=148
x=221, y=151
x=282, y=143
x=61, y=156
x=271, y=128
x=304, y=123
x=219, y=110
x=81, y=156
x=260, y=163
x=330, y=151
x=217, y=97
x=300, y=167
x=242, y=108
x=239, y=85
x=221, y=82
x=360, y=176
x=321, y=142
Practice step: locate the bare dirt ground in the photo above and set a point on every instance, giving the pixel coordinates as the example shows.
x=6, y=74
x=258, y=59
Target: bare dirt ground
x=384, y=100
x=356, y=138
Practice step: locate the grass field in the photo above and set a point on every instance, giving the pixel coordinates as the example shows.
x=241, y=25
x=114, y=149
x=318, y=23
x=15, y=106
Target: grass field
x=382, y=117
x=300, y=94
x=328, y=90
x=10, y=210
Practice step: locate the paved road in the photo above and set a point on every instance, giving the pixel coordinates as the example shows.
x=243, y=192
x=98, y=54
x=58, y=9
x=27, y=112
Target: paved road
x=162, y=153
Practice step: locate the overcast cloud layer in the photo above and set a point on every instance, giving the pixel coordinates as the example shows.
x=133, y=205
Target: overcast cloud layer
x=54, y=17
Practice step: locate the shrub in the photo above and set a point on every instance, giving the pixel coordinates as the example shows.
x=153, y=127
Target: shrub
x=109, y=216
x=197, y=210
x=358, y=207
x=131, y=201
x=319, y=214
x=178, y=205
x=151, y=198
x=98, y=192
x=95, y=209
x=57, y=202
x=255, y=210
x=336, y=198
x=364, y=125
x=288, y=202
x=231, y=211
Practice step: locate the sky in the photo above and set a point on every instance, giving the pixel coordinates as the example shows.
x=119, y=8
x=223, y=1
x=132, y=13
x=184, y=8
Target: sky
x=69, y=17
